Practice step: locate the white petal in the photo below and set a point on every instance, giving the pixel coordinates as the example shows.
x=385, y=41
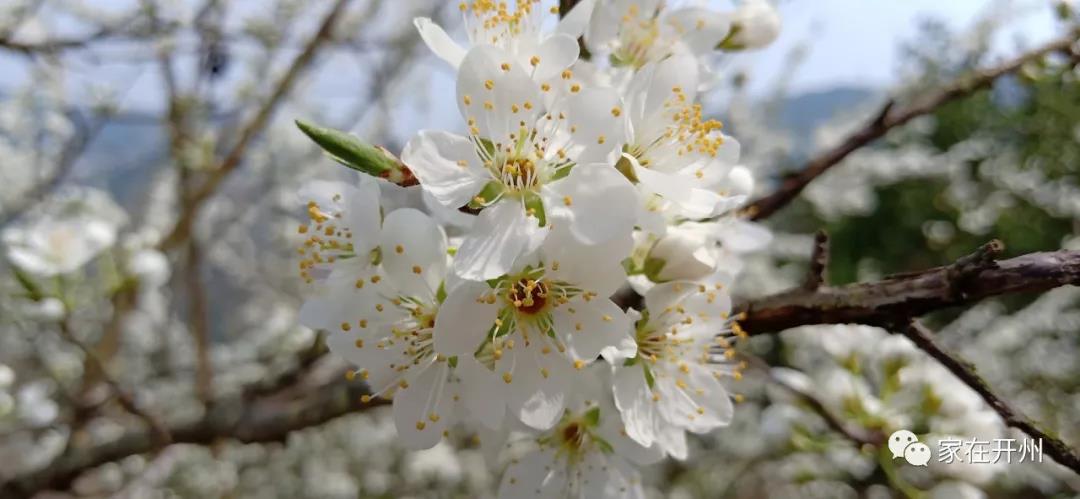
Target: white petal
x=555, y=54
x=375, y=354
x=678, y=71
x=702, y=29
x=599, y=202
x=538, y=384
x=464, y=320
x=672, y=440
x=412, y=242
x=482, y=392
x=533, y=472
x=588, y=327
x=434, y=158
x=596, y=118
x=692, y=202
x=362, y=216
x=597, y=268
x=497, y=99
x=339, y=299
x=681, y=407
x=634, y=400
x=611, y=428
x=668, y=294
x=744, y=237
x=439, y=42
x=421, y=411
x=501, y=234
x=574, y=22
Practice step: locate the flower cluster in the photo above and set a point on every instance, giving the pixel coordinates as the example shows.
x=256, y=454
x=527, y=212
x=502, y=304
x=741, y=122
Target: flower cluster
x=586, y=177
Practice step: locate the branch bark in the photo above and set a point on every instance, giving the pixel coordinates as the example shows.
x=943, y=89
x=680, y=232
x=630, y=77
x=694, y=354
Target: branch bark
x=883, y=303
x=1055, y=448
x=890, y=117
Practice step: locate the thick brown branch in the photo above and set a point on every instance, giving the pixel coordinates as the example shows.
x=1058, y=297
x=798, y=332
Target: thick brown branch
x=891, y=117
x=912, y=294
x=268, y=419
x=1053, y=446
x=254, y=127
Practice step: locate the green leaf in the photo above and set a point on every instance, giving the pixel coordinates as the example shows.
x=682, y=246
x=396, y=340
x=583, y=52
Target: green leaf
x=652, y=268
x=440, y=295
x=603, y=445
x=491, y=191
x=452, y=361
x=649, y=379
x=350, y=151
x=536, y=204
x=33, y=291
x=729, y=43
x=627, y=169
x=592, y=418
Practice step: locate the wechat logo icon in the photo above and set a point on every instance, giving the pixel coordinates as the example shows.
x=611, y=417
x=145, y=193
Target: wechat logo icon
x=905, y=444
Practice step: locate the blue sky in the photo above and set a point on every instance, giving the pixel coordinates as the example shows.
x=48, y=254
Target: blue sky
x=857, y=42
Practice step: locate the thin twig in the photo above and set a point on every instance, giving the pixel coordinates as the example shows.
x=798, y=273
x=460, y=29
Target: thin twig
x=890, y=117
x=158, y=429
x=1054, y=447
x=253, y=128
x=819, y=262
x=858, y=435
x=267, y=419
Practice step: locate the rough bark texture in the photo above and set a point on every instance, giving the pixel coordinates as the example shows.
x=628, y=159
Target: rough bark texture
x=884, y=302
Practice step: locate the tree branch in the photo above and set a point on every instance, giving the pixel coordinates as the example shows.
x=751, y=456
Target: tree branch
x=158, y=432
x=884, y=302
x=890, y=117
x=924, y=339
x=267, y=419
x=253, y=127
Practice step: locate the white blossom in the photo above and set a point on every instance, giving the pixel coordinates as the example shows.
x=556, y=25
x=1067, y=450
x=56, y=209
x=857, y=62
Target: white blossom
x=518, y=30
x=755, y=24
x=586, y=455
x=673, y=383
x=527, y=167
x=539, y=325
x=633, y=33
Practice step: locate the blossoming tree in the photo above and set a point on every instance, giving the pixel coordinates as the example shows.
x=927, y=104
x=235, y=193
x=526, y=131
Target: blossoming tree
x=565, y=286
